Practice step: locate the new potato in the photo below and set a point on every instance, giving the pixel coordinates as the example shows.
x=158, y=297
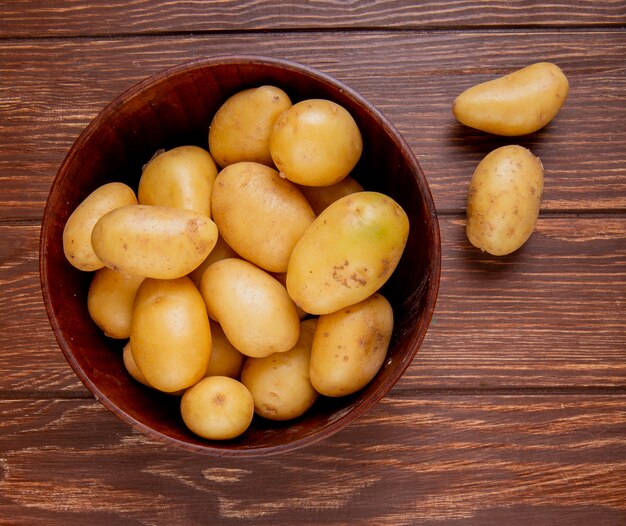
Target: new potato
x=79, y=226
x=503, y=200
x=320, y=197
x=225, y=359
x=349, y=346
x=347, y=253
x=153, y=241
x=170, y=336
x=516, y=104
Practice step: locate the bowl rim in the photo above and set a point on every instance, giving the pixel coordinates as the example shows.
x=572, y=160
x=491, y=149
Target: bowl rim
x=433, y=276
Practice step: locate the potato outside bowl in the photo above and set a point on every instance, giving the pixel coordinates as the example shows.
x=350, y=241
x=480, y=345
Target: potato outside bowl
x=174, y=108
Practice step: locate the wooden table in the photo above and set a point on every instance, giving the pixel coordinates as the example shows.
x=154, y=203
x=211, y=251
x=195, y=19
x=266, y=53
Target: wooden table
x=514, y=410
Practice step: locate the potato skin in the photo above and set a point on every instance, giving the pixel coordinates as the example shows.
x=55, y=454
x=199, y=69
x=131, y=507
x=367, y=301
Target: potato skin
x=503, y=200
x=516, y=104
x=259, y=214
x=349, y=346
x=254, y=310
x=180, y=178
x=320, y=197
x=79, y=226
x=280, y=384
x=347, y=253
x=316, y=142
x=153, y=241
x=110, y=301
x=241, y=128
x=170, y=335
x=225, y=359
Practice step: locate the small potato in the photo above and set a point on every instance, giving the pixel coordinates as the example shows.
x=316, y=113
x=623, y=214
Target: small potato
x=225, y=359
x=170, y=335
x=79, y=226
x=259, y=214
x=255, y=311
x=280, y=384
x=503, y=200
x=221, y=250
x=153, y=241
x=110, y=301
x=350, y=345
x=180, y=178
x=241, y=127
x=517, y=104
x=316, y=142
x=217, y=408
x=131, y=366
x=348, y=253
x=320, y=197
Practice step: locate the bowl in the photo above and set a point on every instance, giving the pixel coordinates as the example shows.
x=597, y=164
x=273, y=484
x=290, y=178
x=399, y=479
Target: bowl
x=173, y=108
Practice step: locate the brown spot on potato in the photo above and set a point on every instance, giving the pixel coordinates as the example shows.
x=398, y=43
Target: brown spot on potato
x=219, y=399
x=192, y=225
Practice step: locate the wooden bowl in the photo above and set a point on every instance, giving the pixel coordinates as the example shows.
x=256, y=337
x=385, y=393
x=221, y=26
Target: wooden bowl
x=174, y=108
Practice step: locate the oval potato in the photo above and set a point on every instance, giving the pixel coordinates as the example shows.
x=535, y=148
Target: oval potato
x=153, y=241
x=259, y=214
x=170, y=334
x=241, y=128
x=79, y=226
x=180, y=178
x=347, y=253
x=320, y=197
x=254, y=310
x=503, y=200
x=349, y=346
x=516, y=104
x=225, y=359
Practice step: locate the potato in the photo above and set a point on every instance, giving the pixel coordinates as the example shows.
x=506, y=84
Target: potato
x=225, y=359
x=280, y=383
x=241, y=127
x=153, y=241
x=503, y=200
x=170, y=335
x=516, y=104
x=348, y=253
x=221, y=250
x=255, y=311
x=320, y=197
x=259, y=214
x=316, y=142
x=131, y=366
x=180, y=178
x=110, y=301
x=349, y=346
x=80, y=224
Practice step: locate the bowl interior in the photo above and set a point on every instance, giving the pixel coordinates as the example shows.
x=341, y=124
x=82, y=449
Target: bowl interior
x=175, y=108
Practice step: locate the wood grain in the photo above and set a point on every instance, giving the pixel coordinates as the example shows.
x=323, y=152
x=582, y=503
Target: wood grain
x=549, y=316
x=431, y=459
x=412, y=77
x=23, y=18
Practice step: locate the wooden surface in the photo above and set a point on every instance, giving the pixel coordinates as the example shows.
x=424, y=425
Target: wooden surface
x=514, y=410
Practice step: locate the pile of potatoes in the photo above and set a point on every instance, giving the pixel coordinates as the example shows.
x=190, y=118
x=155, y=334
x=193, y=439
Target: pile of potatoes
x=505, y=191
x=246, y=277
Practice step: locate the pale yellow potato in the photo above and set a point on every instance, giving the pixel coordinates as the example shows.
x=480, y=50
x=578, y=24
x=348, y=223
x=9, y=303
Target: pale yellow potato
x=221, y=250
x=153, y=241
x=241, y=127
x=516, y=104
x=282, y=279
x=170, y=335
x=217, y=408
x=259, y=214
x=110, y=301
x=131, y=366
x=348, y=253
x=316, y=142
x=79, y=226
x=503, y=200
x=255, y=311
x=349, y=346
x=225, y=359
x=280, y=384
x=320, y=197
x=182, y=177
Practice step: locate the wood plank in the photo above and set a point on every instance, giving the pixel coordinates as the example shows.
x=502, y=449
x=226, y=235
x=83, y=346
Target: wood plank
x=23, y=18
x=412, y=77
x=549, y=316
x=420, y=459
